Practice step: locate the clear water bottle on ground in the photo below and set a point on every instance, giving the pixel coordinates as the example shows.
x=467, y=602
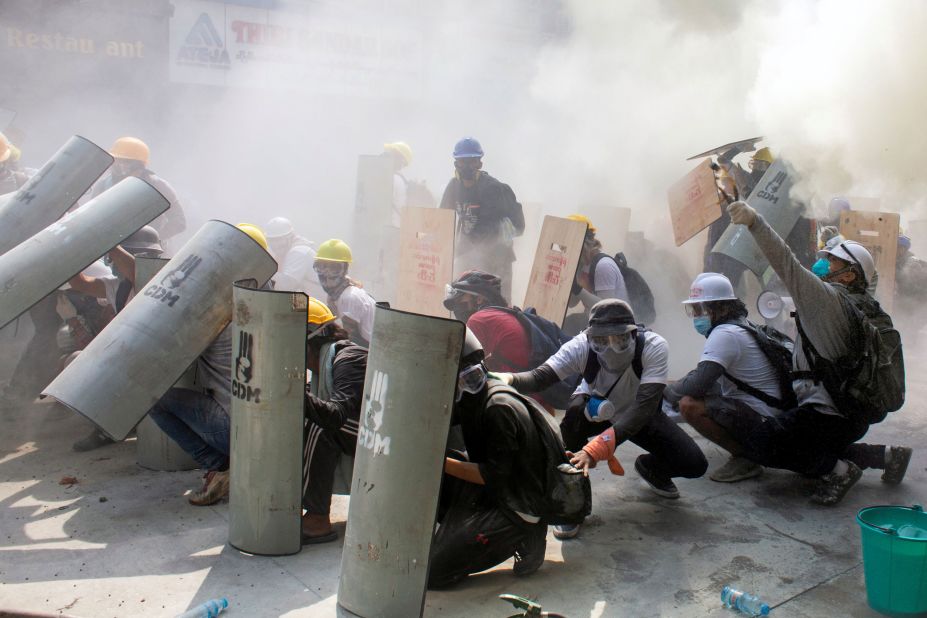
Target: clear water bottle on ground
x=209, y=609
x=745, y=603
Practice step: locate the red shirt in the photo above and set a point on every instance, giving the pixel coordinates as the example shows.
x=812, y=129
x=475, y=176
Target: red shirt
x=506, y=344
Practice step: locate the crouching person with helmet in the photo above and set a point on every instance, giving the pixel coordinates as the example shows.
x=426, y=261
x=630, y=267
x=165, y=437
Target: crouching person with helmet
x=492, y=498
x=346, y=298
x=333, y=406
x=624, y=369
x=848, y=366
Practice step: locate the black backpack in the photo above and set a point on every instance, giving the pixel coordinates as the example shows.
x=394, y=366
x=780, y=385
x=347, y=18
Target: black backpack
x=567, y=498
x=869, y=381
x=639, y=293
x=546, y=338
x=778, y=349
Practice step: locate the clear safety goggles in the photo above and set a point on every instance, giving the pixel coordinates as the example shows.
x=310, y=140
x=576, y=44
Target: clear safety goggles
x=619, y=343
x=328, y=270
x=696, y=310
x=471, y=380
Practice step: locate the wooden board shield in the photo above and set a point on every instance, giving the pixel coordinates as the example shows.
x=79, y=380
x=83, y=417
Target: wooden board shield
x=554, y=267
x=694, y=202
x=878, y=232
x=426, y=260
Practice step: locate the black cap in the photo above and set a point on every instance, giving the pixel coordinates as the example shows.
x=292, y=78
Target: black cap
x=476, y=282
x=611, y=316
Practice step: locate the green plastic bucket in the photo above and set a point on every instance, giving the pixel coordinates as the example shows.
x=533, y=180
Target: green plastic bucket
x=895, y=558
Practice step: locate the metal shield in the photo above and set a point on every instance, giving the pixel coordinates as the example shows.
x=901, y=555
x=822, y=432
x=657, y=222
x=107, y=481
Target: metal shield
x=268, y=391
x=770, y=198
x=408, y=398
x=51, y=191
x=154, y=449
x=151, y=342
x=33, y=269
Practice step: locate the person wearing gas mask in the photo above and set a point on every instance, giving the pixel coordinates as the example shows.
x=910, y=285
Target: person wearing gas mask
x=488, y=215
x=840, y=327
x=347, y=300
x=624, y=371
x=491, y=497
x=131, y=159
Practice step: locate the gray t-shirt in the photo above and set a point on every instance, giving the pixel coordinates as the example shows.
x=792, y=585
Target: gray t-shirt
x=736, y=350
x=214, y=369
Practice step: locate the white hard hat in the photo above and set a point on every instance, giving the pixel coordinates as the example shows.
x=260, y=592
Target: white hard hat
x=277, y=227
x=709, y=287
x=854, y=253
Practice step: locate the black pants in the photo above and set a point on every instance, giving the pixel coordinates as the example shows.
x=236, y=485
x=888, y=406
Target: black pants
x=671, y=452
x=474, y=534
x=810, y=443
x=322, y=451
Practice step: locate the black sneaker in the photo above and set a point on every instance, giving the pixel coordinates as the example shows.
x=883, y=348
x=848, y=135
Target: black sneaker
x=833, y=487
x=529, y=553
x=664, y=487
x=898, y=458
x=96, y=439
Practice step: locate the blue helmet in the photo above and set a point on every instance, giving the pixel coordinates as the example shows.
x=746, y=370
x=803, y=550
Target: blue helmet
x=904, y=242
x=468, y=148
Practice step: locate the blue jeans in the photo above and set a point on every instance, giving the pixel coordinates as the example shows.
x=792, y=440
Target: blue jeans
x=196, y=422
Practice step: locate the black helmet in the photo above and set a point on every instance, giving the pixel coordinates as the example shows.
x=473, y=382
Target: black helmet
x=475, y=282
x=144, y=241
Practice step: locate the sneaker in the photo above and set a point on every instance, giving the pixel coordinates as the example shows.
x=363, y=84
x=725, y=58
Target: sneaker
x=529, y=553
x=736, y=469
x=94, y=440
x=833, y=487
x=215, y=487
x=661, y=486
x=896, y=464
x=566, y=531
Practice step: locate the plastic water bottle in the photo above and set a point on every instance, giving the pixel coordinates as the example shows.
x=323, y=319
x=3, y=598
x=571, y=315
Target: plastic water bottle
x=209, y=609
x=746, y=603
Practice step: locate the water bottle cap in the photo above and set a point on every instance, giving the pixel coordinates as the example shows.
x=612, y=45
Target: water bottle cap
x=764, y=610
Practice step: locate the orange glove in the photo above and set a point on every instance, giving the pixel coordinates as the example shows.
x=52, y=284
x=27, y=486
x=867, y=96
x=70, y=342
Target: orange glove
x=602, y=448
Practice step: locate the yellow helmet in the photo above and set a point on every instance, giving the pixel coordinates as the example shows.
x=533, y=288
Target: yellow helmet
x=583, y=219
x=5, y=148
x=319, y=315
x=334, y=250
x=130, y=148
x=402, y=149
x=254, y=232
x=763, y=154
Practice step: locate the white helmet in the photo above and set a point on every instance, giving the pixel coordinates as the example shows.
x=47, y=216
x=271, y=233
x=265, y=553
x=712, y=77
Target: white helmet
x=278, y=227
x=854, y=253
x=709, y=287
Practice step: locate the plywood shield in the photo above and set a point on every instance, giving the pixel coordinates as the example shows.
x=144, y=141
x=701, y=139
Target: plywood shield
x=770, y=198
x=268, y=390
x=373, y=209
x=408, y=398
x=878, y=232
x=694, y=202
x=154, y=449
x=160, y=332
x=426, y=260
x=554, y=267
x=30, y=271
x=51, y=191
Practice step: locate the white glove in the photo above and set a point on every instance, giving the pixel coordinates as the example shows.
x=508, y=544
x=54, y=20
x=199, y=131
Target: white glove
x=741, y=213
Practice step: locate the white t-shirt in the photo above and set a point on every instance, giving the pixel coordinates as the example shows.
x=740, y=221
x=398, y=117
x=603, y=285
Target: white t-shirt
x=608, y=281
x=736, y=350
x=295, y=272
x=571, y=360
x=357, y=305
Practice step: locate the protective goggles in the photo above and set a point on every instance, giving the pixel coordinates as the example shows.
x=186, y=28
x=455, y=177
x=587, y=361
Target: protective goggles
x=619, y=343
x=696, y=310
x=471, y=380
x=329, y=270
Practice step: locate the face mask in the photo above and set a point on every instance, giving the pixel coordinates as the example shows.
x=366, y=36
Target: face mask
x=617, y=362
x=702, y=325
x=598, y=348
x=821, y=268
